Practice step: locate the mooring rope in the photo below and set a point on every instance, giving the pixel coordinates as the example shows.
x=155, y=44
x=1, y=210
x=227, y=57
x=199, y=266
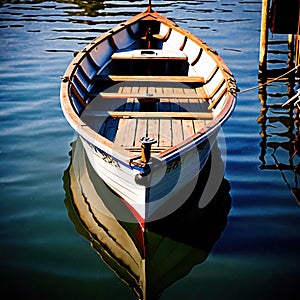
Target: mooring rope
x=268, y=82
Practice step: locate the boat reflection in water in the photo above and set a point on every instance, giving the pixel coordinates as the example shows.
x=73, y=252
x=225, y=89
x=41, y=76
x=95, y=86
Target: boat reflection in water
x=280, y=135
x=151, y=258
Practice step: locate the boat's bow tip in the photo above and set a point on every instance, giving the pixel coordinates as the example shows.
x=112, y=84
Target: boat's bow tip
x=149, y=9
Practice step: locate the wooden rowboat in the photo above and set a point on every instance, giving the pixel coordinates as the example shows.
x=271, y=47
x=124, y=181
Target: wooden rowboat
x=147, y=98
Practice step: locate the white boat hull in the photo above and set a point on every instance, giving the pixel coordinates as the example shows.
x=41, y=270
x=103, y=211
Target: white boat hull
x=146, y=195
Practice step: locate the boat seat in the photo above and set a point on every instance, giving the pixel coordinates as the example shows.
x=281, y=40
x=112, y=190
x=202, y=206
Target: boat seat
x=149, y=96
x=152, y=114
x=149, y=54
x=119, y=78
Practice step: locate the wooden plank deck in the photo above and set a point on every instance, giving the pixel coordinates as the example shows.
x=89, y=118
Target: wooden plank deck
x=180, y=113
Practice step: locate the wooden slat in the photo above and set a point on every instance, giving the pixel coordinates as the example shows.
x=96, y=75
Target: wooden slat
x=177, y=135
x=159, y=87
x=201, y=92
x=199, y=124
x=188, y=128
x=152, y=89
x=165, y=133
x=186, y=79
x=153, y=126
x=154, y=114
x=143, y=90
x=141, y=130
x=146, y=95
x=126, y=132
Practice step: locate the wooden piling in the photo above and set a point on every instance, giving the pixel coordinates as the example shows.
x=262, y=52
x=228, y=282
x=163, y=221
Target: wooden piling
x=291, y=53
x=264, y=38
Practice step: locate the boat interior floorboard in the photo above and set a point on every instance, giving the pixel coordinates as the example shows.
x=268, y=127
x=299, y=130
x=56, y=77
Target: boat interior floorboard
x=139, y=96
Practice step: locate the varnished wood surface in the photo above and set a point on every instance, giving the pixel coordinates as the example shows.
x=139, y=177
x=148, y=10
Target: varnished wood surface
x=150, y=54
x=154, y=114
x=183, y=79
x=179, y=112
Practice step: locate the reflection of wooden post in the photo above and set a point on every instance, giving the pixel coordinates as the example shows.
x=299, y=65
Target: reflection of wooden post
x=263, y=37
x=262, y=121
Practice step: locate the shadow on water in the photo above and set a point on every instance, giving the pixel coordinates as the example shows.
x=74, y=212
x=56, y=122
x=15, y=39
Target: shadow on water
x=150, y=260
x=280, y=135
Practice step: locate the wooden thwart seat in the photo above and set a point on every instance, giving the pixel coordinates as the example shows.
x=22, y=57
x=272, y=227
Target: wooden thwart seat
x=183, y=79
x=150, y=54
x=155, y=114
x=149, y=96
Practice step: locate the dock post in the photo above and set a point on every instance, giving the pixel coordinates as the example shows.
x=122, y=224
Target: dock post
x=263, y=38
x=291, y=53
